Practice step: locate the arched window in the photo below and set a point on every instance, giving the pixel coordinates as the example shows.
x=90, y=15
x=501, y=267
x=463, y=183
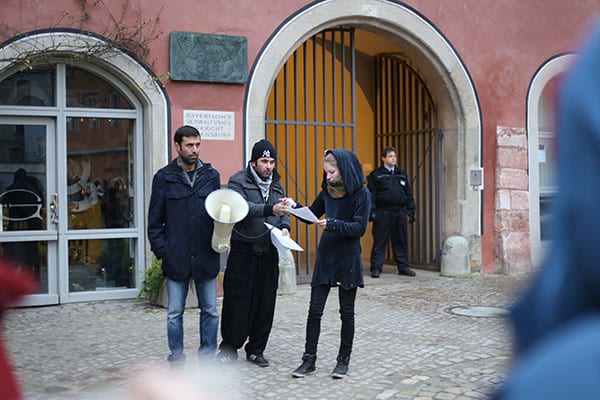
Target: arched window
x=541, y=133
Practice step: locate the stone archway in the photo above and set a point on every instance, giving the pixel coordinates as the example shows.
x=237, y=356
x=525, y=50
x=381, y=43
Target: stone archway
x=441, y=66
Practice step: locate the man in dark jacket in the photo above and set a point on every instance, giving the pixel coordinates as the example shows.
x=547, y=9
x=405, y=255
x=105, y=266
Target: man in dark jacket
x=392, y=202
x=180, y=232
x=252, y=273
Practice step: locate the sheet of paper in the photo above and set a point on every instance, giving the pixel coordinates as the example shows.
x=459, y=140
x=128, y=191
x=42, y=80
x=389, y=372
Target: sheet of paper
x=283, y=243
x=304, y=213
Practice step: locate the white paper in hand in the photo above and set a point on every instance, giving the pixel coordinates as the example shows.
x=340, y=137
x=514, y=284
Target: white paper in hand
x=283, y=243
x=304, y=213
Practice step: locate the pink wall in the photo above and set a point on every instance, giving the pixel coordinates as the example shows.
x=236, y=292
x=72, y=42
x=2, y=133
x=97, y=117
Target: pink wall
x=502, y=44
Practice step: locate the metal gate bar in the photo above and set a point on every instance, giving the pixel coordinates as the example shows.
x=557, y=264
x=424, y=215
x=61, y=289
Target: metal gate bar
x=312, y=107
x=406, y=118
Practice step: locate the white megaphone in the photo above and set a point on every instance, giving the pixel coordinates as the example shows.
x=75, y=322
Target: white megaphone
x=226, y=207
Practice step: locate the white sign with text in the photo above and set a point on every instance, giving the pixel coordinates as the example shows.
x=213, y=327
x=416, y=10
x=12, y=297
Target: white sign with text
x=212, y=125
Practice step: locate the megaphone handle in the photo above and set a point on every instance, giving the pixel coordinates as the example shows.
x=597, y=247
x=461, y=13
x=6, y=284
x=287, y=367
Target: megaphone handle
x=223, y=248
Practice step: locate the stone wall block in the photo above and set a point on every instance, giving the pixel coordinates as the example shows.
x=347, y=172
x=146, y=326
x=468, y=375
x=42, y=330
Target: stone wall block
x=519, y=200
x=502, y=221
x=511, y=137
x=519, y=221
x=511, y=178
x=512, y=252
x=510, y=157
x=503, y=199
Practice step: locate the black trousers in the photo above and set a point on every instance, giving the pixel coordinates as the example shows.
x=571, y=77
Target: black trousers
x=389, y=224
x=318, y=298
x=249, y=294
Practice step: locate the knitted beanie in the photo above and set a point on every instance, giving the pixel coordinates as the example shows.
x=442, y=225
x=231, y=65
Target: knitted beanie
x=263, y=148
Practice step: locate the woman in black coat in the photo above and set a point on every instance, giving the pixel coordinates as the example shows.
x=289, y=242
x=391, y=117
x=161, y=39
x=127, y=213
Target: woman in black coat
x=346, y=202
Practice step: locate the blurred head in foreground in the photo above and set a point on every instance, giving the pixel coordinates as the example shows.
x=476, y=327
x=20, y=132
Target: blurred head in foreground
x=557, y=321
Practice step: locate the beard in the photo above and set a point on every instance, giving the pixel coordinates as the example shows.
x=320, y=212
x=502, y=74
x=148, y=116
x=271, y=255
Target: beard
x=190, y=160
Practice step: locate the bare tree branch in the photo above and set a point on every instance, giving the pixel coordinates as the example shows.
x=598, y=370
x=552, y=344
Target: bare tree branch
x=133, y=38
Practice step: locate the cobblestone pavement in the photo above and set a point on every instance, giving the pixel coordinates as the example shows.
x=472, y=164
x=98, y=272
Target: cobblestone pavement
x=408, y=345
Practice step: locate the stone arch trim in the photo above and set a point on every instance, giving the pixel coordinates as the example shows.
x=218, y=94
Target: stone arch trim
x=138, y=79
x=551, y=68
x=460, y=117
x=119, y=64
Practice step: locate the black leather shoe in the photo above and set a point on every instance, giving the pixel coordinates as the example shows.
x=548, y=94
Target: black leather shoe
x=406, y=271
x=226, y=357
x=258, y=359
x=375, y=274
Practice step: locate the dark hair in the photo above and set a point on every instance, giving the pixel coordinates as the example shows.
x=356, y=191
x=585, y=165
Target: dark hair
x=20, y=174
x=187, y=131
x=386, y=150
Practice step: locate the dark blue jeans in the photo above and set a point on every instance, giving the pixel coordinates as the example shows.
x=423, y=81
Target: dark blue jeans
x=206, y=291
x=318, y=298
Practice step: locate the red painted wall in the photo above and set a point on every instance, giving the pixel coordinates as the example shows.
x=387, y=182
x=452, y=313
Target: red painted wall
x=502, y=44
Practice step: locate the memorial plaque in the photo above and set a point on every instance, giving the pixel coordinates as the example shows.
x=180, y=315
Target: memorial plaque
x=205, y=57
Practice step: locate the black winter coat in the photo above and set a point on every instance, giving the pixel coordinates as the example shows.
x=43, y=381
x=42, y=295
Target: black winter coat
x=390, y=190
x=252, y=228
x=179, y=228
x=339, y=252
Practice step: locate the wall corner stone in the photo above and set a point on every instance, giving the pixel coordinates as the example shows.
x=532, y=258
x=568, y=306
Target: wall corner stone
x=512, y=248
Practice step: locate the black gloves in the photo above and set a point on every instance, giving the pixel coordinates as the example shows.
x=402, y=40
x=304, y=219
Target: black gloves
x=411, y=218
x=372, y=216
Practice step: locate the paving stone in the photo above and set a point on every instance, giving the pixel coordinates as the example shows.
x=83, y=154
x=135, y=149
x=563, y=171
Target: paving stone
x=407, y=345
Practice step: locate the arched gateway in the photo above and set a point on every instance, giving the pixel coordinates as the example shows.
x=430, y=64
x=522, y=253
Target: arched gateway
x=439, y=66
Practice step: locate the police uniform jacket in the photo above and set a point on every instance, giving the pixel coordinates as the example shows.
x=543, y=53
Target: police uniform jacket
x=390, y=190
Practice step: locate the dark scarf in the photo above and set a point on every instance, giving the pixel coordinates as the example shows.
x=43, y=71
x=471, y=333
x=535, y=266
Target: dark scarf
x=336, y=189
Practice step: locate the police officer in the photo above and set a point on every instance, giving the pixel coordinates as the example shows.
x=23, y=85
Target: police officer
x=392, y=203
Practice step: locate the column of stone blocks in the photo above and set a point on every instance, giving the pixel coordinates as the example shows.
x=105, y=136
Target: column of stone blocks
x=512, y=251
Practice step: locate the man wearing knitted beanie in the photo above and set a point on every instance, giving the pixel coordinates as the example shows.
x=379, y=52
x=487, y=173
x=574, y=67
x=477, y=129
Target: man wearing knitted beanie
x=252, y=273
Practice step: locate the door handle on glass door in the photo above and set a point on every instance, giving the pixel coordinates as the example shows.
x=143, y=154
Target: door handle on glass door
x=53, y=207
